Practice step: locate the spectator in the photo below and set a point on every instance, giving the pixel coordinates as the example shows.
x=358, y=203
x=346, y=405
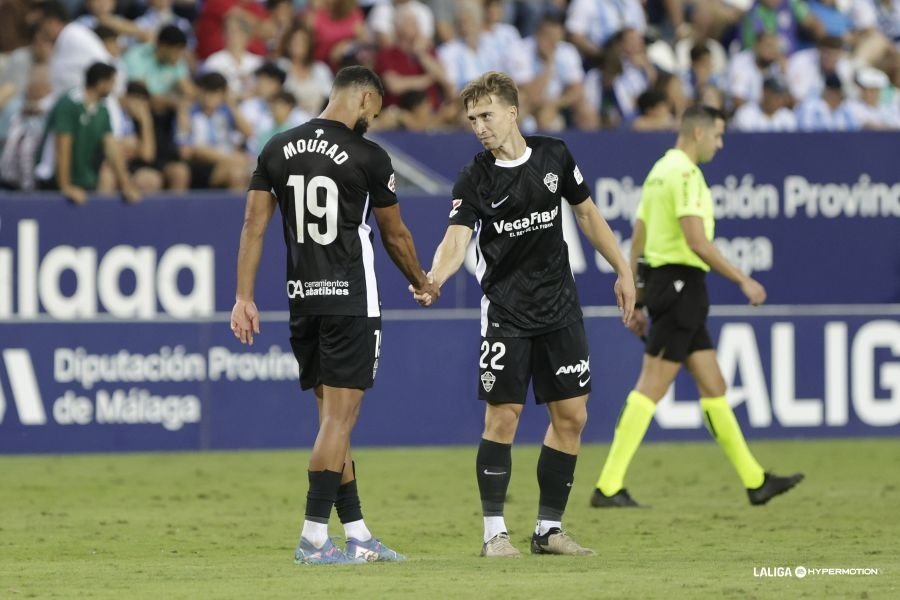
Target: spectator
x=599, y=87
x=111, y=41
x=875, y=108
x=790, y=20
x=162, y=68
x=709, y=19
x=338, y=28
x=285, y=115
x=444, y=12
x=209, y=136
x=713, y=97
x=505, y=40
x=701, y=72
x=410, y=64
x=210, y=25
x=469, y=55
x=282, y=13
x=806, y=69
x=102, y=12
x=415, y=112
x=381, y=21
x=257, y=109
x=234, y=61
x=26, y=128
x=159, y=13
x=638, y=73
x=654, y=113
x=771, y=114
x=749, y=68
x=828, y=112
x=75, y=47
x=79, y=136
x=592, y=23
x=556, y=90
x=16, y=74
x=16, y=71
x=672, y=89
x=308, y=80
x=138, y=143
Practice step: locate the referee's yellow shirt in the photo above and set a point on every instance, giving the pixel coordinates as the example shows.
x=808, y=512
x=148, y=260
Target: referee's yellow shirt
x=674, y=188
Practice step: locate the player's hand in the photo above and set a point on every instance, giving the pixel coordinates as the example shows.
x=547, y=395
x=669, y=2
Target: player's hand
x=74, y=193
x=637, y=324
x=245, y=321
x=625, y=296
x=754, y=291
x=131, y=194
x=428, y=293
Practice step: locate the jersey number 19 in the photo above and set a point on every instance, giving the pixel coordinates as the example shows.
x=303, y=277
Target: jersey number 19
x=306, y=196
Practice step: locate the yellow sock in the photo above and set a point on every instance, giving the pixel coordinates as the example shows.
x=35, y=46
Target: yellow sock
x=724, y=427
x=630, y=430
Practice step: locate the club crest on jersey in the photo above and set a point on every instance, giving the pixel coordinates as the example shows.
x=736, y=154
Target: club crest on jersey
x=551, y=181
x=487, y=381
x=457, y=202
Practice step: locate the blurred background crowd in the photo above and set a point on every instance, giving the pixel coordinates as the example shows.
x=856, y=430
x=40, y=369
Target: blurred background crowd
x=143, y=95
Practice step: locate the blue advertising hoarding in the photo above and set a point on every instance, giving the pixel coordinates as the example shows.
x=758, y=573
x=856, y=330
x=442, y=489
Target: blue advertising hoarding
x=114, y=336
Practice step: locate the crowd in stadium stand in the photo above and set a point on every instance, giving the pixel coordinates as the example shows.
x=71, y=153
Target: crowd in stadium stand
x=199, y=87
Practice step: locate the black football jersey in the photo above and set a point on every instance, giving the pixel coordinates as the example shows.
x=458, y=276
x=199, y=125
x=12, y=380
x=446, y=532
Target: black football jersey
x=523, y=261
x=327, y=178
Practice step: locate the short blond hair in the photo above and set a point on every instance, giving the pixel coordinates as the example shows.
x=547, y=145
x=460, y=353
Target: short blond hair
x=499, y=84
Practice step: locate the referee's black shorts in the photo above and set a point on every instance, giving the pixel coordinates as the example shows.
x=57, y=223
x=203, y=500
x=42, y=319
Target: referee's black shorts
x=676, y=298
x=337, y=351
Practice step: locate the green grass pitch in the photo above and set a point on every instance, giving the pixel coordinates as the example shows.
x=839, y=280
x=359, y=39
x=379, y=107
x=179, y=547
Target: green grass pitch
x=224, y=524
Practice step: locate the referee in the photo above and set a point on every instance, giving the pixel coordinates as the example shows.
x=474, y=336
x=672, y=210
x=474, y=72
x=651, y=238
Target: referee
x=673, y=232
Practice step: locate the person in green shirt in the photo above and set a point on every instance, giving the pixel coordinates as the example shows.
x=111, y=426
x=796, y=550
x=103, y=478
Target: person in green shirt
x=79, y=137
x=674, y=232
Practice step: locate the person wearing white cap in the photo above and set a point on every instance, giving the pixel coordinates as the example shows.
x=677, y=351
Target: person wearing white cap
x=868, y=109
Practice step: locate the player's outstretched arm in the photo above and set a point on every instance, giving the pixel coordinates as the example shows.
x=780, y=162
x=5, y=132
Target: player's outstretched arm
x=708, y=253
x=450, y=253
x=448, y=258
x=398, y=242
x=597, y=231
x=244, y=315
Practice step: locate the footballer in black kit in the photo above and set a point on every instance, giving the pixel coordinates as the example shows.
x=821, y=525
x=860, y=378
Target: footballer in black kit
x=530, y=310
x=327, y=179
x=531, y=321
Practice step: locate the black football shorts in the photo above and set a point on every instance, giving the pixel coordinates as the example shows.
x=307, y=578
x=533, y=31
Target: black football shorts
x=676, y=298
x=337, y=351
x=558, y=362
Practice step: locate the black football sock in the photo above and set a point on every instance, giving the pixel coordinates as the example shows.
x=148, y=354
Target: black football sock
x=555, y=474
x=493, y=467
x=347, y=502
x=323, y=489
